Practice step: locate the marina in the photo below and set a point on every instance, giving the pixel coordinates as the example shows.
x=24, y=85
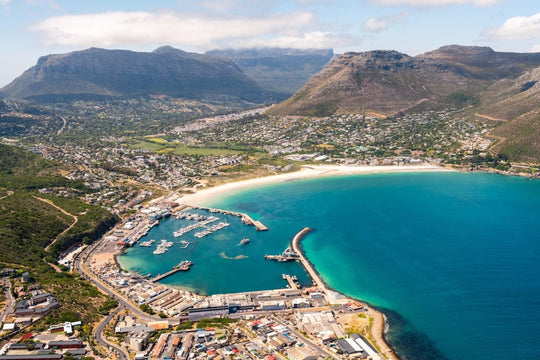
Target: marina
x=229, y=237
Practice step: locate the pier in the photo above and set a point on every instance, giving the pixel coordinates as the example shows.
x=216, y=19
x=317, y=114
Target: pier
x=167, y=274
x=246, y=219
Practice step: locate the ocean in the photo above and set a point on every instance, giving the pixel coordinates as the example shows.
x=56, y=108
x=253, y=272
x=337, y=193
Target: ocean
x=452, y=259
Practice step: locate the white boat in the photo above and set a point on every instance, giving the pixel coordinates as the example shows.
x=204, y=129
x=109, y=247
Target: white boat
x=148, y=243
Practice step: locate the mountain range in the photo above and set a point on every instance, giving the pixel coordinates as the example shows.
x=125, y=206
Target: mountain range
x=497, y=86
x=98, y=73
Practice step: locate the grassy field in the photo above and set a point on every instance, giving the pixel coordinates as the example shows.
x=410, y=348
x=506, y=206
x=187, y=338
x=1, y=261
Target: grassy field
x=162, y=146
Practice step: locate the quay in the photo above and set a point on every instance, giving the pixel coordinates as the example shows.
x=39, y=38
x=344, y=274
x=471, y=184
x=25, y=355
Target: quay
x=246, y=219
x=139, y=231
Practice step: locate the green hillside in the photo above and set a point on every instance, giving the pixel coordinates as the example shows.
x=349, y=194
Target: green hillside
x=29, y=224
x=31, y=221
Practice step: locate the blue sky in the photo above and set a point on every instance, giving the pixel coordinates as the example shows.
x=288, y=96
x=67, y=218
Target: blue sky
x=32, y=28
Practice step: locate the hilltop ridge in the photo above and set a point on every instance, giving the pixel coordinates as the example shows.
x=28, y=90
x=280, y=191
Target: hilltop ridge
x=387, y=81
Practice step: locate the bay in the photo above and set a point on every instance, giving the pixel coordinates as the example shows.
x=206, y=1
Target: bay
x=453, y=259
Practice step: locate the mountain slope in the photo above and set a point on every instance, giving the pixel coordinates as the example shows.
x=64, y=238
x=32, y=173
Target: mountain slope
x=387, y=82
x=276, y=69
x=97, y=73
x=517, y=103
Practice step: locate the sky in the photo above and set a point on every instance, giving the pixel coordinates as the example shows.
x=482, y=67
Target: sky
x=33, y=28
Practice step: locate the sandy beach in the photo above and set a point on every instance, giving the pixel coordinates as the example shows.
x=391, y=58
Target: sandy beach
x=204, y=195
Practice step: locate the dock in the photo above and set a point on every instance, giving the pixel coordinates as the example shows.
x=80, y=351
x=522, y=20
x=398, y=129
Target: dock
x=279, y=258
x=292, y=281
x=288, y=255
x=246, y=219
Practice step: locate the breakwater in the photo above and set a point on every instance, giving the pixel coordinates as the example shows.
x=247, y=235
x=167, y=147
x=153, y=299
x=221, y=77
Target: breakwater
x=296, y=247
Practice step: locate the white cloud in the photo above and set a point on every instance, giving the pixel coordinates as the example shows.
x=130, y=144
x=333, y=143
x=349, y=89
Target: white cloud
x=310, y=40
x=4, y=2
x=375, y=25
x=517, y=28
x=220, y=5
x=431, y=3
x=536, y=48
x=44, y=3
x=295, y=29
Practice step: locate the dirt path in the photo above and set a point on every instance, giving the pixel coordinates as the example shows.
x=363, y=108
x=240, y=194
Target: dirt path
x=371, y=113
x=489, y=117
x=55, y=267
x=500, y=139
x=75, y=219
x=9, y=193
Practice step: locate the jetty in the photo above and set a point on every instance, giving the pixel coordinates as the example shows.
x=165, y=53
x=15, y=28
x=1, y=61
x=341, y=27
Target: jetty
x=246, y=219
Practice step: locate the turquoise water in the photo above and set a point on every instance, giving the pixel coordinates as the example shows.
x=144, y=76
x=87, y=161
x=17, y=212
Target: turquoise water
x=220, y=263
x=453, y=259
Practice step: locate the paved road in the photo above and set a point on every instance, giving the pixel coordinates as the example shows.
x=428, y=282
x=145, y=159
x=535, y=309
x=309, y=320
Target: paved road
x=78, y=264
x=10, y=301
x=121, y=353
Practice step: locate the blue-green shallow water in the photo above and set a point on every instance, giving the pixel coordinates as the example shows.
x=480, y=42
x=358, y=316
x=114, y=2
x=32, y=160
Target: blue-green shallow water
x=457, y=256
